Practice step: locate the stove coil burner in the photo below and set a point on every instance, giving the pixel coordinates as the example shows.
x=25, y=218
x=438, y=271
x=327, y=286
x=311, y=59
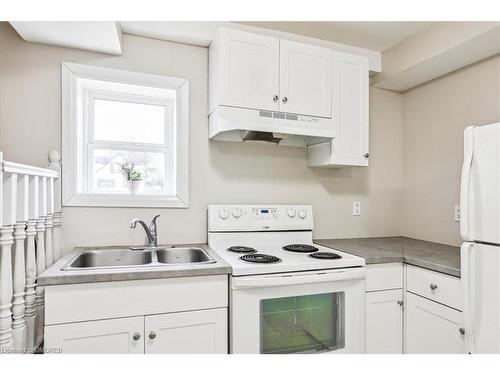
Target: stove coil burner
x=325, y=255
x=300, y=248
x=260, y=258
x=242, y=249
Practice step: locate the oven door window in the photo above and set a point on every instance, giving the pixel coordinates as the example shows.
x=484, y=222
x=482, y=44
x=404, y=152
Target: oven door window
x=301, y=324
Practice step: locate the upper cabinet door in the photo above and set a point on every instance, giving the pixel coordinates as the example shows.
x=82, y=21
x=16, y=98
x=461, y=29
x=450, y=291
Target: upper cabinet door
x=350, y=109
x=305, y=79
x=350, y=97
x=248, y=70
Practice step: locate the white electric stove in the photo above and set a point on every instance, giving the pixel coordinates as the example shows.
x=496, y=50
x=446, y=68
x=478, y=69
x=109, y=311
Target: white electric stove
x=287, y=294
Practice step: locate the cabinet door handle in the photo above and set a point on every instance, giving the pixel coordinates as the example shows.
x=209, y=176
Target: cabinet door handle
x=401, y=303
x=285, y=99
x=152, y=335
x=462, y=331
x=433, y=286
x=136, y=336
x=367, y=155
x=275, y=98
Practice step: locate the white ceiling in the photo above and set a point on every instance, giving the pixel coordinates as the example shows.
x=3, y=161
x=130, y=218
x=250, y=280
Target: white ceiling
x=374, y=35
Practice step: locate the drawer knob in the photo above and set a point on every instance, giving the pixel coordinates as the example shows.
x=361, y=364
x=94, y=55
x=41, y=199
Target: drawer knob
x=136, y=336
x=152, y=335
x=462, y=331
x=433, y=286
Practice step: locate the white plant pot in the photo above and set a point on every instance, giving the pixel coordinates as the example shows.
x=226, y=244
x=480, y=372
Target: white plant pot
x=133, y=186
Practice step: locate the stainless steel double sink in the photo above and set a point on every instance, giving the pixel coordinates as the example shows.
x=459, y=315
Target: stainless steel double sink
x=143, y=257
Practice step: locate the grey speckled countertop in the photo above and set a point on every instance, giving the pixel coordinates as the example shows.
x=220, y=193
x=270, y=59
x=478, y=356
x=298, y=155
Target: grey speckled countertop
x=430, y=255
x=56, y=276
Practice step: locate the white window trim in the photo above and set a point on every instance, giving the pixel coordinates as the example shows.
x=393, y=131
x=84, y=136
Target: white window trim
x=71, y=197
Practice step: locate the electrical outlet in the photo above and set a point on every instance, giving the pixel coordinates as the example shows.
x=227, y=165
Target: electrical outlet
x=457, y=213
x=356, y=208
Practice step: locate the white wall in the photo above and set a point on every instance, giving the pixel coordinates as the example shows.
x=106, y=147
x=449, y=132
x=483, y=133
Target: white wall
x=220, y=172
x=435, y=115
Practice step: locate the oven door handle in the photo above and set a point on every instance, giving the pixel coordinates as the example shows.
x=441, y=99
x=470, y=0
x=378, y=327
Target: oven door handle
x=298, y=278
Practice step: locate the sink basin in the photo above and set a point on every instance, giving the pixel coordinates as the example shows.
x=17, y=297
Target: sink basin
x=106, y=258
x=111, y=258
x=183, y=255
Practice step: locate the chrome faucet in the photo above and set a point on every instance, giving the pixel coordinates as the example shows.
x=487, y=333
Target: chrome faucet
x=151, y=231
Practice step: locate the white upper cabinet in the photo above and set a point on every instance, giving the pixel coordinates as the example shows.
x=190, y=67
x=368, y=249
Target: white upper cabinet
x=305, y=79
x=244, y=70
x=255, y=71
x=350, y=147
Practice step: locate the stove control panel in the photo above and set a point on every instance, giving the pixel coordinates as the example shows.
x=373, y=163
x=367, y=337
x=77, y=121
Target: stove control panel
x=236, y=218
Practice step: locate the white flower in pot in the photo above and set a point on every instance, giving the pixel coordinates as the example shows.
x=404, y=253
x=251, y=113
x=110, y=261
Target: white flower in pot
x=133, y=176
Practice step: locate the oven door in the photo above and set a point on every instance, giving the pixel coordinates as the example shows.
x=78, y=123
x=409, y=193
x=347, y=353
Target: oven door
x=300, y=312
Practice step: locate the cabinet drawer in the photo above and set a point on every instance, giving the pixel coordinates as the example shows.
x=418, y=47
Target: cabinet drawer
x=384, y=276
x=82, y=302
x=436, y=286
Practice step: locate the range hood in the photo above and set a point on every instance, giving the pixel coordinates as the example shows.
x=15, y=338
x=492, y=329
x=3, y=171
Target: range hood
x=252, y=125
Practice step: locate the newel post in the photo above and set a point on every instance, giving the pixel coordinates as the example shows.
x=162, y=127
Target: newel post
x=6, y=241
x=55, y=165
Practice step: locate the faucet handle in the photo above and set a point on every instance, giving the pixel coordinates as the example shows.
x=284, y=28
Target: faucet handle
x=152, y=226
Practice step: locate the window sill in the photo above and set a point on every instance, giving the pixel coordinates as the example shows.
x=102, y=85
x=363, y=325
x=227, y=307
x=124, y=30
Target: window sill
x=126, y=200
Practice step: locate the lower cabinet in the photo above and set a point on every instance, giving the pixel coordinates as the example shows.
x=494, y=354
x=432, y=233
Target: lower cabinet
x=384, y=322
x=432, y=328
x=193, y=332
x=168, y=316
x=109, y=336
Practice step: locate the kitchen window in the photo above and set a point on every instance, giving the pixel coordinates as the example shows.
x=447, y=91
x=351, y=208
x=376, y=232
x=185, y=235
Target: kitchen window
x=125, y=138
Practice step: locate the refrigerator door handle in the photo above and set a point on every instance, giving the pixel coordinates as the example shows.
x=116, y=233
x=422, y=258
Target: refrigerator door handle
x=465, y=259
x=465, y=212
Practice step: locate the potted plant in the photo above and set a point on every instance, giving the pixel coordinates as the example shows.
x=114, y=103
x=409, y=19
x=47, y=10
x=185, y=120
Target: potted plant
x=132, y=175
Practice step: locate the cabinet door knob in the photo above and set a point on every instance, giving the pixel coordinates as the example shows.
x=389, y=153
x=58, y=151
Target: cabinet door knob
x=136, y=336
x=400, y=303
x=275, y=98
x=285, y=99
x=367, y=155
x=152, y=335
x=433, y=286
x=462, y=331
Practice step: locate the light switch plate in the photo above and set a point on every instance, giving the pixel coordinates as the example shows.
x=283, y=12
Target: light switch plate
x=456, y=214
x=356, y=208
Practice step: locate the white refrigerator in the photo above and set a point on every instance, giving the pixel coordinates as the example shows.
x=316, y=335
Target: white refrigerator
x=480, y=230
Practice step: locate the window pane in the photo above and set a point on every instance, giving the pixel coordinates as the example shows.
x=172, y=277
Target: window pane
x=113, y=171
x=310, y=323
x=129, y=122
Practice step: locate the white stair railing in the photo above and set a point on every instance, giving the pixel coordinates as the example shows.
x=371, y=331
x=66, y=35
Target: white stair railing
x=30, y=241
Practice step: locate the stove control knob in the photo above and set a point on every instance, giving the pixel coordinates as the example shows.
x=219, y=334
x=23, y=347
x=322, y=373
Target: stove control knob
x=292, y=212
x=223, y=213
x=302, y=214
x=236, y=213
